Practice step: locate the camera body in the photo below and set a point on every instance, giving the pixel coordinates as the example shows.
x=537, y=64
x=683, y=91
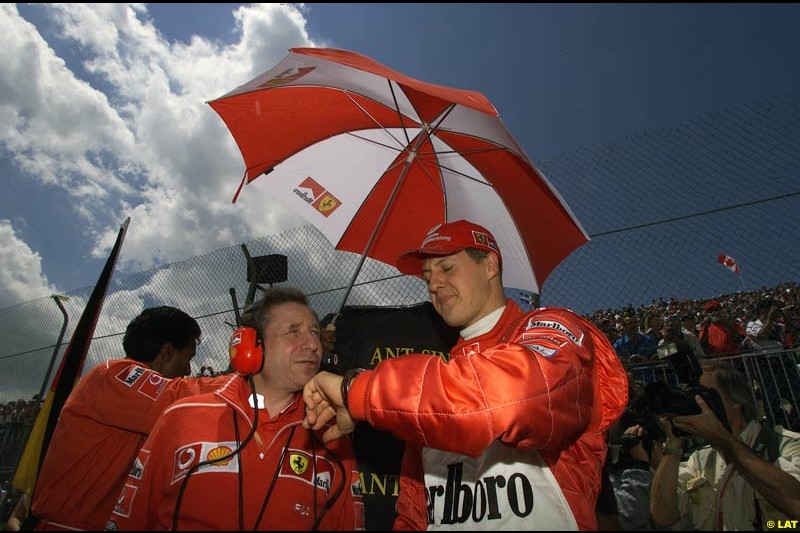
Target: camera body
x=680, y=401
x=620, y=444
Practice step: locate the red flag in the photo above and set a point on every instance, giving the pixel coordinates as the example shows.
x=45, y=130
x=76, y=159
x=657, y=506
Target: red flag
x=68, y=372
x=728, y=262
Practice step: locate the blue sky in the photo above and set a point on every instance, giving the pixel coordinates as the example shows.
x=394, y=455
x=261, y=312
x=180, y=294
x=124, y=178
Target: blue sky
x=103, y=113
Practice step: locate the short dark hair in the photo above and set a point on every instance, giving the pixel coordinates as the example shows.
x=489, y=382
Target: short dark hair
x=156, y=326
x=476, y=254
x=259, y=313
x=479, y=255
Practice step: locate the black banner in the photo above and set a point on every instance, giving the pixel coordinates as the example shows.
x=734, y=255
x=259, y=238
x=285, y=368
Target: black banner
x=365, y=336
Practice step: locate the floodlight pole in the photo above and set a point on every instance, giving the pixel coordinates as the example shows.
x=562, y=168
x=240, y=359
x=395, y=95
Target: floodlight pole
x=57, y=298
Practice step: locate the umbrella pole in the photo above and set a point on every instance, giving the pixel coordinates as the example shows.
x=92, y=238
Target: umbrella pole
x=409, y=161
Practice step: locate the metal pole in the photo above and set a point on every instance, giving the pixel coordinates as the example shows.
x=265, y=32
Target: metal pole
x=424, y=135
x=58, y=298
x=236, y=307
x=251, y=291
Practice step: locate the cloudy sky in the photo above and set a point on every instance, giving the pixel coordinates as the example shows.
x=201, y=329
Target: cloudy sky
x=103, y=110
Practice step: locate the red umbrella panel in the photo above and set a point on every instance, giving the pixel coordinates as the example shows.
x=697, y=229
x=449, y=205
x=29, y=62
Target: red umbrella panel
x=374, y=159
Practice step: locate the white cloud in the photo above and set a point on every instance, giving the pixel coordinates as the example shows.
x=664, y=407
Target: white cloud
x=129, y=133
x=57, y=128
x=21, y=276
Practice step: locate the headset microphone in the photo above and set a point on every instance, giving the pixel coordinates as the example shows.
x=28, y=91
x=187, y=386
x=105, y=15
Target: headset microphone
x=245, y=350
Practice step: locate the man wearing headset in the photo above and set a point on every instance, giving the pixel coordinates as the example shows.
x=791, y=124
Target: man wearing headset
x=510, y=433
x=239, y=458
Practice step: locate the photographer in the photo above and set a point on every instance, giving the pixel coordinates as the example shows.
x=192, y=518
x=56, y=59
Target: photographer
x=674, y=332
x=727, y=485
x=640, y=449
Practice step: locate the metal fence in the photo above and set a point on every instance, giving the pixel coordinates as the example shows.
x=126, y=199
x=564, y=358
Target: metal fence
x=774, y=377
x=660, y=206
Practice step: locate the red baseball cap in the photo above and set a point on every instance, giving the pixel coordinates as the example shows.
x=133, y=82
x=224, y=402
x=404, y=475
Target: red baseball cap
x=713, y=304
x=448, y=239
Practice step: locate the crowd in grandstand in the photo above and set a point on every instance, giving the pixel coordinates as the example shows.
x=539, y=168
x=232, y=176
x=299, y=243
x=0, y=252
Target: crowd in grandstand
x=19, y=410
x=644, y=325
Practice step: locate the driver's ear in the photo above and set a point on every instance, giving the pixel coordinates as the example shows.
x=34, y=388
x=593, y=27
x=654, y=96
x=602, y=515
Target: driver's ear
x=492, y=264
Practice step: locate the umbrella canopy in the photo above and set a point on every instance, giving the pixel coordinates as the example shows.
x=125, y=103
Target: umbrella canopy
x=374, y=159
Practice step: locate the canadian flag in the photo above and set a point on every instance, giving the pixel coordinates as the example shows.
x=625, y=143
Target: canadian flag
x=728, y=262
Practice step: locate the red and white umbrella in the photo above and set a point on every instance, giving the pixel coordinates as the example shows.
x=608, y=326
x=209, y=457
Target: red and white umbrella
x=374, y=159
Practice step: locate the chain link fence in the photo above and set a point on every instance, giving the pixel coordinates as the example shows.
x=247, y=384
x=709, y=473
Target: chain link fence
x=659, y=206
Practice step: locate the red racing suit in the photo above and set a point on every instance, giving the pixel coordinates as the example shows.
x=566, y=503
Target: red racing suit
x=282, y=472
x=104, y=422
x=510, y=434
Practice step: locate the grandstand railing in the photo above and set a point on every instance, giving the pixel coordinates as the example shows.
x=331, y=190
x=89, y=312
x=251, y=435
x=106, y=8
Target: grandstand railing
x=774, y=376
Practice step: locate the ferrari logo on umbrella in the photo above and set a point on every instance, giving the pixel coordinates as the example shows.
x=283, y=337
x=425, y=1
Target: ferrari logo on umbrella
x=287, y=76
x=311, y=192
x=327, y=204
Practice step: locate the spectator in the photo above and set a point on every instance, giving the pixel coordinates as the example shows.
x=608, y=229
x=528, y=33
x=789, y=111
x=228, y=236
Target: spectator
x=777, y=367
x=607, y=327
x=633, y=346
x=653, y=326
x=7, y=412
x=108, y=416
x=197, y=470
x=689, y=323
x=719, y=336
x=525, y=400
x=727, y=485
x=766, y=333
x=673, y=331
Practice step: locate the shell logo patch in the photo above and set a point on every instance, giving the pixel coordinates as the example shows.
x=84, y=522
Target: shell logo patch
x=218, y=453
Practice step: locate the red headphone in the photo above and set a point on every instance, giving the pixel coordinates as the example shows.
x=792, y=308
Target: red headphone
x=245, y=351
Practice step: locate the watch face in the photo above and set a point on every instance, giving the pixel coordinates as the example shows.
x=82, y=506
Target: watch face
x=675, y=450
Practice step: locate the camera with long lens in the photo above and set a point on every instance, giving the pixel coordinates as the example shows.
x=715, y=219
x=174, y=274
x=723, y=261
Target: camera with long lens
x=680, y=400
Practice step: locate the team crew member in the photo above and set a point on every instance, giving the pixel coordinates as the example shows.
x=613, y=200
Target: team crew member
x=107, y=417
x=510, y=433
x=187, y=475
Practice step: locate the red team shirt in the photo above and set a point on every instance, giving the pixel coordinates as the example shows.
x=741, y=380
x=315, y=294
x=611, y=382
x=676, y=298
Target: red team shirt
x=197, y=429
x=510, y=434
x=103, y=424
